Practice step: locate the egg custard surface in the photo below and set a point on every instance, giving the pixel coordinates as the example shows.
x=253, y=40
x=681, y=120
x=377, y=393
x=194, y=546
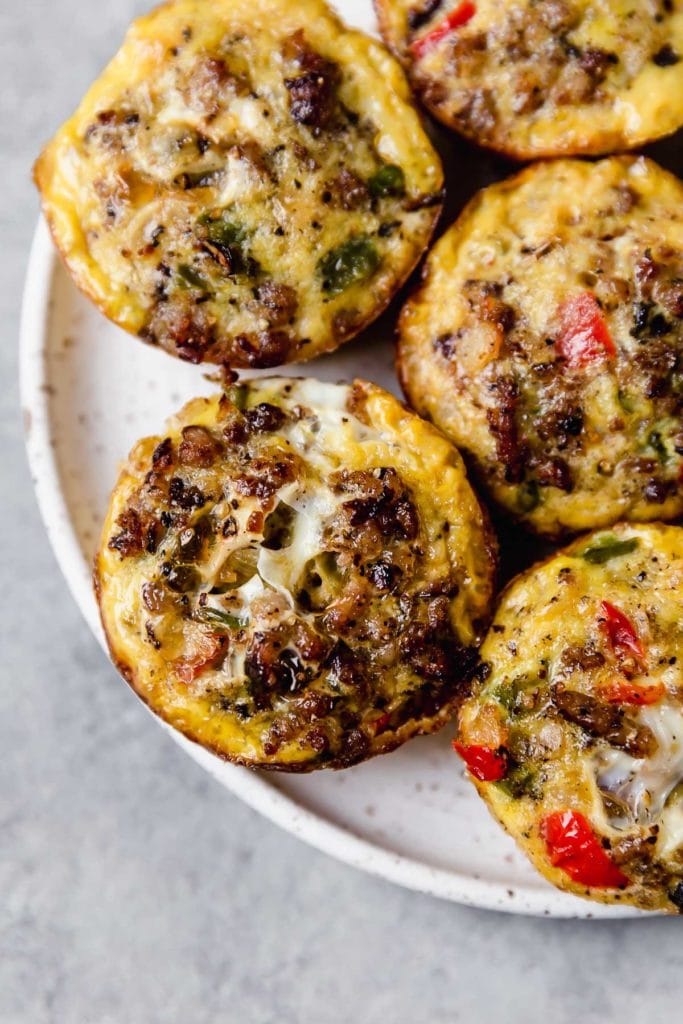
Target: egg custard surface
x=574, y=731
x=534, y=78
x=547, y=340
x=247, y=183
x=295, y=574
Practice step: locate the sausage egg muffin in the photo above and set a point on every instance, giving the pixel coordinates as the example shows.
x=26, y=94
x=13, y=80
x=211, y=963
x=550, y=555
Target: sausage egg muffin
x=537, y=78
x=574, y=732
x=547, y=342
x=247, y=183
x=296, y=574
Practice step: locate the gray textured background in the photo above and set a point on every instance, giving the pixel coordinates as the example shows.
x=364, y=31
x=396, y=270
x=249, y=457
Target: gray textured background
x=133, y=889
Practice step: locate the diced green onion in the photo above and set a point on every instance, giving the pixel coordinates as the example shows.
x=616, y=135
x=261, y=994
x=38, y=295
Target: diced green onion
x=389, y=180
x=607, y=547
x=189, y=276
x=218, y=617
x=350, y=263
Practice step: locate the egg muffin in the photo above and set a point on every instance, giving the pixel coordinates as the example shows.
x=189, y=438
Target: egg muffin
x=574, y=732
x=547, y=341
x=295, y=574
x=534, y=78
x=247, y=183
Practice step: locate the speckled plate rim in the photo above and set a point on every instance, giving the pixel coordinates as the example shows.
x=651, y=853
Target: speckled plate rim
x=251, y=787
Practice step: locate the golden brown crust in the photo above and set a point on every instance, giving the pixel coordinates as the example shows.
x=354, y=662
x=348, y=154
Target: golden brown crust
x=563, y=438
x=245, y=184
x=578, y=696
x=574, y=78
x=389, y=742
x=317, y=492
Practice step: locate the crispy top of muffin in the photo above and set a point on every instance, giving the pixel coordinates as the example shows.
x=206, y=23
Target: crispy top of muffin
x=547, y=341
x=246, y=183
x=575, y=729
x=296, y=574
x=537, y=78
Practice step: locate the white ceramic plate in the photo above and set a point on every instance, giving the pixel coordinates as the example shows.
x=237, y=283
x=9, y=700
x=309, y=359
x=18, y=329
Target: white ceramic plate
x=89, y=391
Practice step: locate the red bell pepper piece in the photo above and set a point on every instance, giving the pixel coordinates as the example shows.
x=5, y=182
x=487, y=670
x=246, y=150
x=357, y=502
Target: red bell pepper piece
x=622, y=691
x=485, y=763
x=584, y=334
x=202, y=650
x=622, y=636
x=574, y=848
x=380, y=724
x=459, y=16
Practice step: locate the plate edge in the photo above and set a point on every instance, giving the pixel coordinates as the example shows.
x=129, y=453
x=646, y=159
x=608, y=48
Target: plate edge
x=258, y=793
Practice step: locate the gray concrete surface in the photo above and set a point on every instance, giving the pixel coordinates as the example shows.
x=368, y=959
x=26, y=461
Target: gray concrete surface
x=133, y=890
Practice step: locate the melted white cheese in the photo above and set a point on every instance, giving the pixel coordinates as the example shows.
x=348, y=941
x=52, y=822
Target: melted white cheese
x=284, y=568
x=670, y=839
x=644, y=785
x=313, y=500
x=319, y=440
